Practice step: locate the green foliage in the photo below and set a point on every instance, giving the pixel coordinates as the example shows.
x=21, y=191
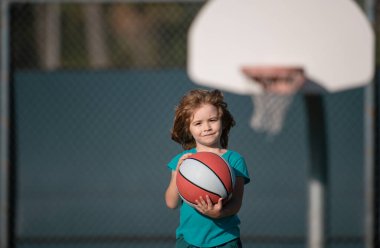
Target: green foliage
x=136, y=35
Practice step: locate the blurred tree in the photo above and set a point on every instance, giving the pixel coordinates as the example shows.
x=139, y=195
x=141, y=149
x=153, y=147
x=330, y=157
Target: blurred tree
x=117, y=35
x=95, y=35
x=23, y=54
x=132, y=27
x=48, y=35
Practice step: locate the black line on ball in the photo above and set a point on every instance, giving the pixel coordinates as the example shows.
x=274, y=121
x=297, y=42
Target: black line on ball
x=224, y=186
x=198, y=187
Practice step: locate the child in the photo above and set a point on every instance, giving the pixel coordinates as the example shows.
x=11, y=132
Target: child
x=202, y=123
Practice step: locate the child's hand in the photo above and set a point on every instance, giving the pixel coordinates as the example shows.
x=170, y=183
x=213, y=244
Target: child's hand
x=181, y=159
x=209, y=209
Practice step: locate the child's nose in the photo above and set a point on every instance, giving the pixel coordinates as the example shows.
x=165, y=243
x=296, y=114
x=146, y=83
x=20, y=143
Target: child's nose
x=207, y=126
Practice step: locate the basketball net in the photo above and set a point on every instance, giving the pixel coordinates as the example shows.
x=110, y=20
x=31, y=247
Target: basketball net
x=279, y=85
x=269, y=112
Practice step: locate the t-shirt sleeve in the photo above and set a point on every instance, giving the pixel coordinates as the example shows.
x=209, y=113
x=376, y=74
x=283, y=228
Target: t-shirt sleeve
x=241, y=170
x=173, y=163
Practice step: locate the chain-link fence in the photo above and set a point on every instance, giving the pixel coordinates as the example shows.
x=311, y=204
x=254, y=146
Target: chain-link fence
x=95, y=86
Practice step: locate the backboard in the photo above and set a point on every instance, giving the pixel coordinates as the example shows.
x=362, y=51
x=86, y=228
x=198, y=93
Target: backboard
x=332, y=41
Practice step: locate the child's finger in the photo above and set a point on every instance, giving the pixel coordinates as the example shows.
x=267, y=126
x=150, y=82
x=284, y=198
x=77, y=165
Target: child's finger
x=181, y=159
x=202, y=200
x=208, y=200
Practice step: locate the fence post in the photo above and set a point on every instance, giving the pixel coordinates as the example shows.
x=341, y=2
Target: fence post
x=4, y=125
x=318, y=171
x=369, y=144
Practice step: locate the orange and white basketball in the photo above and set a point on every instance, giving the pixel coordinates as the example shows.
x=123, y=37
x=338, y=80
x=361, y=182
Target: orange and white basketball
x=205, y=173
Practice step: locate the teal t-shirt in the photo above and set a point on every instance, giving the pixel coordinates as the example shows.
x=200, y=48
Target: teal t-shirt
x=200, y=230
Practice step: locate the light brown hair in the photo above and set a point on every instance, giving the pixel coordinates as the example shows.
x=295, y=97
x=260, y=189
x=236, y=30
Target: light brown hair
x=185, y=110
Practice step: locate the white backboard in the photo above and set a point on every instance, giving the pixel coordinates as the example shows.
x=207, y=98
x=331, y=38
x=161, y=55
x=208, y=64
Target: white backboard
x=331, y=40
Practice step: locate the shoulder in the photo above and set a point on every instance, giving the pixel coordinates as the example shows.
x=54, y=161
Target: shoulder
x=233, y=156
x=174, y=161
x=237, y=162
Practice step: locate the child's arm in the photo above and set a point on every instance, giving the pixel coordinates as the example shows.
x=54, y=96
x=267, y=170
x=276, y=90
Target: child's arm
x=219, y=210
x=172, y=197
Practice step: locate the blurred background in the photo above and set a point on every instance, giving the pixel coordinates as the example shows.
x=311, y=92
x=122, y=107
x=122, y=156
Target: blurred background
x=93, y=91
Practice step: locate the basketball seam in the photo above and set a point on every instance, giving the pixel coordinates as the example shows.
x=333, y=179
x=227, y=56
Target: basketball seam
x=224, y=186
x=198, y=187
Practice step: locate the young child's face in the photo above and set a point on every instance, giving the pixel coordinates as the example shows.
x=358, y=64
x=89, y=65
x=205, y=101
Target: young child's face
x=206, y=126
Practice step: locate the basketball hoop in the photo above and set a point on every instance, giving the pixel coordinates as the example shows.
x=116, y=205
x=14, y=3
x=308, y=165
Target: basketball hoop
x=277, y=79
x=279, y=84
x=238, y=46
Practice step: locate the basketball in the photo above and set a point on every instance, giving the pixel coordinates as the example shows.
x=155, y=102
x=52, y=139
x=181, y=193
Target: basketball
x=205, y=173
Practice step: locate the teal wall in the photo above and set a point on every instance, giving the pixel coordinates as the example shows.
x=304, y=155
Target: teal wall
x=92, y=149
